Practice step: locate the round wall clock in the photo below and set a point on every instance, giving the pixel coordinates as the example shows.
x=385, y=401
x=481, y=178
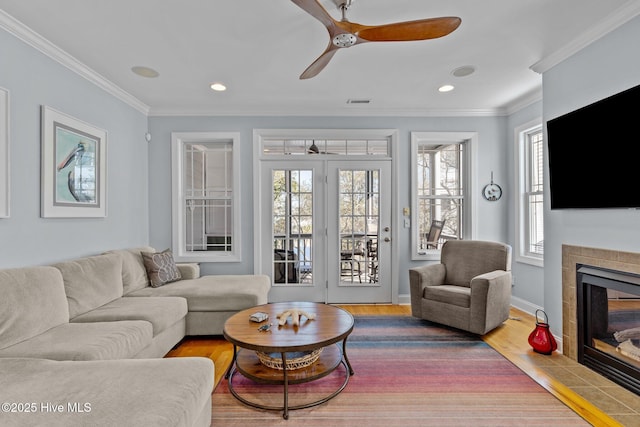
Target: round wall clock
x=492, y=192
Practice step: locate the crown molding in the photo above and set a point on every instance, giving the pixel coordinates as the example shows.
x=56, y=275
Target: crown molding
x=35, y=40
x=621, y=16
x=329, y=112
x=524, y=101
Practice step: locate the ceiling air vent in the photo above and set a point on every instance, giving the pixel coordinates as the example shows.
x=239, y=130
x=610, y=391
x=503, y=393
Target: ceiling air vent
x=358, y=101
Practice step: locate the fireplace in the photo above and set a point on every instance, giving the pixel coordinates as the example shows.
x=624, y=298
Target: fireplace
x=608, y=323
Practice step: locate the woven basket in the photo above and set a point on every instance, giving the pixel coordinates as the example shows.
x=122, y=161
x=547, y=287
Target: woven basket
x=295, y=360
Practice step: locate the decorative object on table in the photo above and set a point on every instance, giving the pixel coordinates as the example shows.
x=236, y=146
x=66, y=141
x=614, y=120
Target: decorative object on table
x=4, y=153
x=492, y=192
x=259, y=316
x=295, y=360
x=295, y=314
x=265, y=328
x=541, y=338
x=73, y=167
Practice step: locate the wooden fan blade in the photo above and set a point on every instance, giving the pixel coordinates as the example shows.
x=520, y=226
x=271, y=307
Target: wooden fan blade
x=422, y=29
x=315, y=9
x=319, y=64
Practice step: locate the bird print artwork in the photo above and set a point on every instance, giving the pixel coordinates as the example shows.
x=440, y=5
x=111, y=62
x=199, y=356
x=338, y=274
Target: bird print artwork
x=75, y=167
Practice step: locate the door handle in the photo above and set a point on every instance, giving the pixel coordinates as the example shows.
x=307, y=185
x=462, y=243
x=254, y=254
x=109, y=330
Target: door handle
x=386, y=229
x=387, y=239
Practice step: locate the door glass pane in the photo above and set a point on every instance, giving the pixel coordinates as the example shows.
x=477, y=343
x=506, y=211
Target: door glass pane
x=359, y=222
x=292, y=227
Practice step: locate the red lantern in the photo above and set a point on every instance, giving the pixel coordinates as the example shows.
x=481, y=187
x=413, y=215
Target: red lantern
x=541, y=338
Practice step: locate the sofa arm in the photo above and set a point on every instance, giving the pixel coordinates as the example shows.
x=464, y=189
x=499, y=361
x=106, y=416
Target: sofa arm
x=490, y=299
x=419, y=278
x=189, y=270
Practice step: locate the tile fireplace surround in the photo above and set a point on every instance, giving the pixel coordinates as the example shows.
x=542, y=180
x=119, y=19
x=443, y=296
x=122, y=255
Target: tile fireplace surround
x=572, y=255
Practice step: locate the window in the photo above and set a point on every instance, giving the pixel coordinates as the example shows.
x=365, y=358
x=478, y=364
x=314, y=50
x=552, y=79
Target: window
x=309, y=147
x=440, y=203
x=292, y=225
x=205, y=197
x=530, y=233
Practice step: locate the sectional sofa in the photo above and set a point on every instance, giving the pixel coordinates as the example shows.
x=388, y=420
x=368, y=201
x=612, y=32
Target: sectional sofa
x=82, y=341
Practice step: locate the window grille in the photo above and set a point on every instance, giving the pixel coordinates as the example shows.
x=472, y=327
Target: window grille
x=310, y=147
x=440, y=192
x=205, y=211
x=533, y=194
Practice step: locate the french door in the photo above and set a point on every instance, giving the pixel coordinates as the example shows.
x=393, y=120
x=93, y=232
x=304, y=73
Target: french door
x=329, y=230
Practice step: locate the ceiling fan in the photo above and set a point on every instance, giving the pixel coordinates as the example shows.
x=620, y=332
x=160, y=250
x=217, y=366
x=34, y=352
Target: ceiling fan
x=343, y=33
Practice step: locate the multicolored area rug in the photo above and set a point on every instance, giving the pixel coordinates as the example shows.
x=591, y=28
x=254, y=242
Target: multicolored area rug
x=408, y=372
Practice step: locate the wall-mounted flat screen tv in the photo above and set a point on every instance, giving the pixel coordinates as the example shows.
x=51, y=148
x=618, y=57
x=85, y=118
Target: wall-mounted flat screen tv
x=594, y=154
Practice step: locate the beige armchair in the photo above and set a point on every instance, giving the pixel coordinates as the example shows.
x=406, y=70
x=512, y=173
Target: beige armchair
x=469, y=289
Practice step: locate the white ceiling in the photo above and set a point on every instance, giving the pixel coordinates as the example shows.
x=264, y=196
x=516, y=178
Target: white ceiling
x=258, y=49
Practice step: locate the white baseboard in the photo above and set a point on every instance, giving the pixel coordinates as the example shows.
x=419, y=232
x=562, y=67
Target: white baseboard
x=516, y=302
x=404, y=299
x=525, y=305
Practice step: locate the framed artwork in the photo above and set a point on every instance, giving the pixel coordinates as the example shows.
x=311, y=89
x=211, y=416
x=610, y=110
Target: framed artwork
x=73, y=167
x=4, y=153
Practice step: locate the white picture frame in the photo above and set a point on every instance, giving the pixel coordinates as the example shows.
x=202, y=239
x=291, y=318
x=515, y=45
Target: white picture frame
x=5, y=176
x=73, y=169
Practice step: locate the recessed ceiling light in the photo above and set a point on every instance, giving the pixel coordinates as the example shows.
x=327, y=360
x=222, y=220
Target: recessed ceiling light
x=218, y=87
x=464, y=71
x=446, y=88
x=145, y=71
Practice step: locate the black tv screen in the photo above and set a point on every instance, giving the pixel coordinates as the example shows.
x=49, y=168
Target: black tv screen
x=594, y=154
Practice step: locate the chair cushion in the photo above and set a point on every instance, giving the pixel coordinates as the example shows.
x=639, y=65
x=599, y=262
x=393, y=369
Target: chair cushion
x=161, y=312
x=449, y=294
x=466, y=259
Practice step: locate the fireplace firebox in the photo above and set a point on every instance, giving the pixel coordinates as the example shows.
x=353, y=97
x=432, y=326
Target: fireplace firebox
x=608, y=315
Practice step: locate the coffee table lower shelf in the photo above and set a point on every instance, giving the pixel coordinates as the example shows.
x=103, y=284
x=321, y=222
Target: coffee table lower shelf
x=249, y=366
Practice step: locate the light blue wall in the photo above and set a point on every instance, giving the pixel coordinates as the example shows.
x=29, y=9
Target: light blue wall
x=33, y=79
x=528, y=289
x=607, y=66
x=492, y=217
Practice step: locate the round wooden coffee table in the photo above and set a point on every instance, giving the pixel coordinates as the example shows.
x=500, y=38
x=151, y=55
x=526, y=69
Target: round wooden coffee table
x=330, y=326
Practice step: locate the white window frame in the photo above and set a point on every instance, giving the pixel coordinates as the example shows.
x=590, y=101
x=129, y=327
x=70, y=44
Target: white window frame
x=469, y=214
x=178, y=142
x=522, y=176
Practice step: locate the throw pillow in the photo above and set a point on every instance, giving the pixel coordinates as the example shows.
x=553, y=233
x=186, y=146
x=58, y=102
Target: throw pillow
x=161, y=268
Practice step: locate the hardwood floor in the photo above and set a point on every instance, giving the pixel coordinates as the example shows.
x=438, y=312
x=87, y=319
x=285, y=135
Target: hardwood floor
x=596, y=399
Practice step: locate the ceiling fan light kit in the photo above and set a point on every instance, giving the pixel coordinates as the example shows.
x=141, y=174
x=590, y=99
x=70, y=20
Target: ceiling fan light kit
x=344, y=33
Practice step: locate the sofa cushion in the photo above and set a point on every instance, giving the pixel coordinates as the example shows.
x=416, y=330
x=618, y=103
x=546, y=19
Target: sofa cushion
x=134, y=275
x=124, y=393
x=91, y=282
x=32, y=300
x=160, y=312
x=86, y=341
x=216, y=293
x=161, y=267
